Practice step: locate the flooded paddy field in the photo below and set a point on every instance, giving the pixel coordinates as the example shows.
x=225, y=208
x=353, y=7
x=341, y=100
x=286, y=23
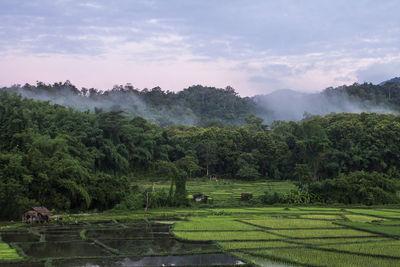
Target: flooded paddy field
x=255, y=236
x=109, y=243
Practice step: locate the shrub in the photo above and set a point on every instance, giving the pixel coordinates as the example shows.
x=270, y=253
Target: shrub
x=358, y=187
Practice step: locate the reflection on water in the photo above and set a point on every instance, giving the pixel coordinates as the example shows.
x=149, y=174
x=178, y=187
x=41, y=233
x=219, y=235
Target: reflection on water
x=186, y=260
x=62, y=249
x=157, y=246
x=111, y=244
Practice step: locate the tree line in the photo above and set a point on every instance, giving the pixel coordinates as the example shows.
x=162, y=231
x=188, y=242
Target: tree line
x=209, y=106
x=196, y=105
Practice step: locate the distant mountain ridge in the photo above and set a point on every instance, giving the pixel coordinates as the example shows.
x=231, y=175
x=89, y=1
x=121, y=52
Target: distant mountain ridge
x=393, y=80
x=287, y=104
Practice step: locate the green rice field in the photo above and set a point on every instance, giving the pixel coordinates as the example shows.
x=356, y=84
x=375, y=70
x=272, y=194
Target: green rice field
x=299, y=236
x=258, y=236
x=7, y=253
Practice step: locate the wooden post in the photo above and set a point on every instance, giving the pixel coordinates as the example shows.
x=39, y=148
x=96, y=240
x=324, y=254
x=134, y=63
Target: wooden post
x=148, y=201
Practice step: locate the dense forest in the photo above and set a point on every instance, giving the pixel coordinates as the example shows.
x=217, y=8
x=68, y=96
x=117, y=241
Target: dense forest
x=78, y=160
x=209, y=106
x=196, y=105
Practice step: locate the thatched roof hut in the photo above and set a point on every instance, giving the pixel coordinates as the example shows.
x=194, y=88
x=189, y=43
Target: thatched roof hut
x=37, y=214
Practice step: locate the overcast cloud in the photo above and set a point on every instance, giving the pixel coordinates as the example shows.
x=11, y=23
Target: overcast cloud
x=255, y=46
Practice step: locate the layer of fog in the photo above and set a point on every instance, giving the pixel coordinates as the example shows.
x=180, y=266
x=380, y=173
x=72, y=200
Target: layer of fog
x=284, y=105
x=126, y=101
x=290, y=105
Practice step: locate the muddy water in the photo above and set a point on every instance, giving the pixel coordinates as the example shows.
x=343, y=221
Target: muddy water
x=111, y=244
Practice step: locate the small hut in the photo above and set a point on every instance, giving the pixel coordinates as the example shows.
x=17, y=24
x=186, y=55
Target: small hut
x=37, y=214
x=213, y=178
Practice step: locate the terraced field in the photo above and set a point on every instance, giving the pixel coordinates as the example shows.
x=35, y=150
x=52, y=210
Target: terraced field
x=300, y=236
x=261, y=236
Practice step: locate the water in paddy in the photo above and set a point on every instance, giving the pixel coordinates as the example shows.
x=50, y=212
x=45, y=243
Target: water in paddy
x=183, y=260
x=111, y=244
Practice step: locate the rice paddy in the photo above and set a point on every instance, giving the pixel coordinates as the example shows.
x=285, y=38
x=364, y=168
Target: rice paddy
x=388, y=248
x=318, y=233
x=232, y=245
x=7, y=253
x=212, y=224
x=389, y=230
x=377, y=213
x=277, y=223
x=304, y=236
x=342, y=240
x=224, y=236
x=261, y=236
x=316, y=257
x=361, y=218
x=322, y=217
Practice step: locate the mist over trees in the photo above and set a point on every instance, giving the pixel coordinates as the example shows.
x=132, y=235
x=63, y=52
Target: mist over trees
x=209, y=106
x=291, y=105
x=196, y=105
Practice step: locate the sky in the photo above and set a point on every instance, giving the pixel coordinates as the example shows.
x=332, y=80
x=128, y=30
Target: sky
x=255, y=46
